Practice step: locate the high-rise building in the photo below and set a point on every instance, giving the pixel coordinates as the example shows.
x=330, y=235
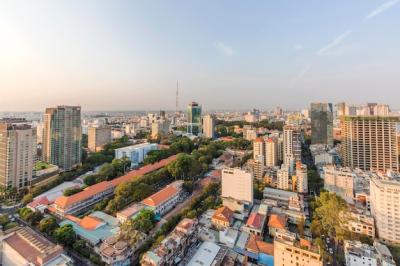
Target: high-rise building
x=62, y=136
x=291, y=143
x=283, y=178
x=98, y=137
x=209, y=126
x=194, y=118
x=370, y=142
x=385, y=198
x=301, y=178
x=17, y=154
x=258, y=148
x=237, y=184
x=159, y=128
x=322, y=123
x=271, y=152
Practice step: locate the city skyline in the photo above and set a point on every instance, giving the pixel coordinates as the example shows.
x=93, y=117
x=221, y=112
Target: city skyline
x=104, y=56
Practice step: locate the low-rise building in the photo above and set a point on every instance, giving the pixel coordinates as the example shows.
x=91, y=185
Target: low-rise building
x=291, y=252
x=222, y=218
x=24, y=246
x=129, y=212
x=359, y=254
x=135, y=153
x=115, y=252
x=174, y=247
x=93, y=228
x=276, y=222
x=362, y=223
x=164, y=200
x=255, y=224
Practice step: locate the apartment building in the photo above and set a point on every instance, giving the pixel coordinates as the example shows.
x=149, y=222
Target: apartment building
x=98, y=137
x=385, y=207
x=174, y=246
x=237, y=184
x=292, y=143
x=301, y=178
x=340, y=181
x=17, y=154
x=271, y=152
x=62, y=136
x=370, y=142
x=208, y=126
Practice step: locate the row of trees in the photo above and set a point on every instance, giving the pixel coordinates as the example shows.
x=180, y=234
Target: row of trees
x=109, y=171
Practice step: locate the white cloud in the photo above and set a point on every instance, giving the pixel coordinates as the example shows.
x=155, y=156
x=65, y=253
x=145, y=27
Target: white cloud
x=327, y=49
x=382, y=8
x=298, y=47
x=224, y=49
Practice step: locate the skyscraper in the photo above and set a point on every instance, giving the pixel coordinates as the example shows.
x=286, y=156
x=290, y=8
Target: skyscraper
x=271, y=152
x=62, y=136
x=17, y=154
x=370, y=142
x=209, y=126
x=194, y=118
x=322, y=123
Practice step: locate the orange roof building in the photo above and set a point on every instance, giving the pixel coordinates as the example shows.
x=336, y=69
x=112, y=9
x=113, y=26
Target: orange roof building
x=164, y=200
x=222, y=218
x=276, y=222
x=80, y=201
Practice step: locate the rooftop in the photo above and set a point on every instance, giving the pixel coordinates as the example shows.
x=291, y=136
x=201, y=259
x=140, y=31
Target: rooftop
x=161, y=196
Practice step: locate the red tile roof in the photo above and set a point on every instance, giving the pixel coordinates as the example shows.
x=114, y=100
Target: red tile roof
x=223, y=214
x=161, y=196
x=277, y=221
x=64, y=202
x=255, y=220
x=39, y=201
x=257, y=245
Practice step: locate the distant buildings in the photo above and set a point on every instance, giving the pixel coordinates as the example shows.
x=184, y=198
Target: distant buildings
x=292, y=252
x=62, y=136
x=24, y=246
x=385, y=199
x=98, y=137
x=370, y=142
x=194, y=119
x=267, y=148
x=237, y=184
x=17, y=154
x=208, y=126
x=322, y=123
x=135, y=153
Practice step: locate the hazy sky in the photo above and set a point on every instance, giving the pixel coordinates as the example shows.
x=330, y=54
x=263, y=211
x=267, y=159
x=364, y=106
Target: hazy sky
x=127, y=55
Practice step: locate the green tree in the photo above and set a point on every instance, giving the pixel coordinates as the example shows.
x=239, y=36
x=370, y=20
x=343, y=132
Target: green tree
x=65, y=235
x=27, y=198
x=48, y=225
x=72, y=191
x=4, y=219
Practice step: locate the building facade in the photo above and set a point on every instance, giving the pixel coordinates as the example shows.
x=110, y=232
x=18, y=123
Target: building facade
x=62, y=136
x=237, y=184
x=322, y=123
x=98, y=137
x=17, y=155
x=135, y=153
x=209, y=126
x=370, y=142
x=194, y=119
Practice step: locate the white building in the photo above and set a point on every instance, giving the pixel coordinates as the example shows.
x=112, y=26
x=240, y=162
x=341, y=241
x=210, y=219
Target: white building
x=385, y=208
x=135, y=153
x=301, y=178
x=283, y=179
x=205, y=255
x=271, y=152
x=339, y=181
x=358, y=254
x=237, y=184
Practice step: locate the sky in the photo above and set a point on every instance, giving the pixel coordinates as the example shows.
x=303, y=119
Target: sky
x=226, y=54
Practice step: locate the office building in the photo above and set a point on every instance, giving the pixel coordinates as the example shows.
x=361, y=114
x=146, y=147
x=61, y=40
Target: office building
x=370, y=142
x=62, y=136
x=385, y=198
x=292, y=252
x=209, y=126
x=194, y=119
x=17, y=154
x=24, y=246
x=291, y=143
x=322, y=123
x=98, y=137
x=135, y=153
x=237, y=184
